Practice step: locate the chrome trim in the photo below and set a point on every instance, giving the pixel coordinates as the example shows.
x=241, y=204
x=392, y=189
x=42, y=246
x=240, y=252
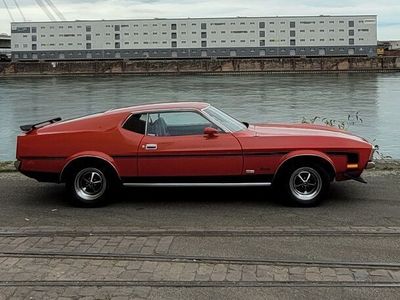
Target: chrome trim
x=370, y=165
x=198, y=184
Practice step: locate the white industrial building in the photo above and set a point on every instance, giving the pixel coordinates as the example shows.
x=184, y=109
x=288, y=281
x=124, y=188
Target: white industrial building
x=196, y=37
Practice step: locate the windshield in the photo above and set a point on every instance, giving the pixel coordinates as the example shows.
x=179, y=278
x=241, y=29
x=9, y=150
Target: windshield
x=225, y=120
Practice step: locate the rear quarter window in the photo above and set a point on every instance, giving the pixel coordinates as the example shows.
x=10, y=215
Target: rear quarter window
x=136, y=123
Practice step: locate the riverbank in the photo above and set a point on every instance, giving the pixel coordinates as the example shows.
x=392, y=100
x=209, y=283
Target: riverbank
x=381, y=165
x=203, y=66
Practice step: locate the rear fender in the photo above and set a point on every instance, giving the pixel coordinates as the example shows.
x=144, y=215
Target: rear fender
x=90, y=154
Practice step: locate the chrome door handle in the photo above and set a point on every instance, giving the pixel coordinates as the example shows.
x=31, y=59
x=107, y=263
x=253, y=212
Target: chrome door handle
x=151, y=146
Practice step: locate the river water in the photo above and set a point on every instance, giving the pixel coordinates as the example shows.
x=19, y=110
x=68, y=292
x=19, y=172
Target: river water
x=252, y=98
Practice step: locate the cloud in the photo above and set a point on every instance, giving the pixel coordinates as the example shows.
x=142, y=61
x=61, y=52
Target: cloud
x=388, y=11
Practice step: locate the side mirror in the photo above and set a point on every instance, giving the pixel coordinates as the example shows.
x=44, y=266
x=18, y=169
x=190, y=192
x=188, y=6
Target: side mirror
x=210, y=131
x=246, y=124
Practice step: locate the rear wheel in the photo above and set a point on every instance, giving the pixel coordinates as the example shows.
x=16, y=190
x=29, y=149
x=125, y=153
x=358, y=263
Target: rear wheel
x=89, y=186
x=305, y=184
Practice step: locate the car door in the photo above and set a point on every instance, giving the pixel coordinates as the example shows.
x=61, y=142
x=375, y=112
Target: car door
x=175, y=145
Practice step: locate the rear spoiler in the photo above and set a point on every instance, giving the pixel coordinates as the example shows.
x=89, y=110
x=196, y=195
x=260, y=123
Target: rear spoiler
x=29, y=127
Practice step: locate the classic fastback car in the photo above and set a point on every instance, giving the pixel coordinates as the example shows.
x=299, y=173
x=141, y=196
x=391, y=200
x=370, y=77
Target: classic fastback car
x=188, y=143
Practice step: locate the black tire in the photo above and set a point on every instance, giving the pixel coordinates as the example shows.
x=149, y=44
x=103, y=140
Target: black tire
x=89, y=186
x=304, y=184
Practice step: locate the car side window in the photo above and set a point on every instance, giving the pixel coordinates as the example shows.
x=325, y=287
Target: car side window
x=177, y=124
x=136, y=123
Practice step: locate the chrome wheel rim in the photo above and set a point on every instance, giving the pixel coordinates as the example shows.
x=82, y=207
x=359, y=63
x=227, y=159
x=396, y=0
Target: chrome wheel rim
x=90, y=184
x=305, y=183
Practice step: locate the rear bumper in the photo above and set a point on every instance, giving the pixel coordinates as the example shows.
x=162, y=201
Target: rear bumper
x=43, y=176
x=17, y=164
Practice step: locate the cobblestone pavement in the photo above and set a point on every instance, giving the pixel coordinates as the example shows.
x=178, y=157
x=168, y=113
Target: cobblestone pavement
x=121, y=263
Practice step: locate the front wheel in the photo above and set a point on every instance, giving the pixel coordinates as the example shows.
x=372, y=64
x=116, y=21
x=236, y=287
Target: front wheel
x=88, y=186
x=305, y=185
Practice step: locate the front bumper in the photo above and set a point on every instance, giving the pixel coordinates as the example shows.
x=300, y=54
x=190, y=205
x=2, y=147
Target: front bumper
x=370, y=165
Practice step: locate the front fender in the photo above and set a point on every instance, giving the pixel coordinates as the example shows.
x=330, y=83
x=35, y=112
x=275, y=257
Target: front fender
x=305, y=153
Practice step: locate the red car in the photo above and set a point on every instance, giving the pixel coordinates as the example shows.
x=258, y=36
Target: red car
x=187, y=144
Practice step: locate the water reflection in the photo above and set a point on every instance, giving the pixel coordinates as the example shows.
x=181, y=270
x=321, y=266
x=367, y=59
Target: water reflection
x=254, y=98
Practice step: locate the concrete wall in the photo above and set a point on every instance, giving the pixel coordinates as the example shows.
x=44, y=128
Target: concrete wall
x=147, y=67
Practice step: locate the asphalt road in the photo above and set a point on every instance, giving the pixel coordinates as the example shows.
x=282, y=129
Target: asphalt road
x=25, y=202
x=357, y=223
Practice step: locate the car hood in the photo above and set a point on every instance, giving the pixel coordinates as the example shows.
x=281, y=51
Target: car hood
x=302, y=130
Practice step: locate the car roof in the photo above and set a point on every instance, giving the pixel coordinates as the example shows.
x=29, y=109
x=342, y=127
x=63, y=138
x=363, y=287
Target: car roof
x=161, y=106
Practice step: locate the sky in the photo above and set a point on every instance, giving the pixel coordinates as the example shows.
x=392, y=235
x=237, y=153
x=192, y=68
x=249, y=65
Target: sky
x=388, y=11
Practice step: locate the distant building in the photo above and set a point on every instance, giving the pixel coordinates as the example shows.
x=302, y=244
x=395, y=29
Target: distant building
x=389, y=45
x=196, y=38
x=5, y=46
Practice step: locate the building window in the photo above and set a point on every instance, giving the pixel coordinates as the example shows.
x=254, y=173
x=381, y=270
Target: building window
x=125, y=25
x=351, y=32
x=117, y=45
x=33, y=29
x=70, y=27
x=203, y=25
x=365, y=30
x=203, y=43
x=34, y=38
x=271, y=23
x=173, y=35
x=351, y=23
x=262, y=43
x=351, y=41
x=61, y=27
x=34, y=47
x=117, y=28
x=262, y=33
x=261, y=25
x=173, y=44
x=88, y=46
x=322, y=30
x=292, y=33
x=331, y=30
x=88, y=37
x=97, y=34
x=88, y=28
x=292, y=42
x=173, y=26
x=204, y=35
x=126, y=33
x=292, y=24
x=117, y=36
